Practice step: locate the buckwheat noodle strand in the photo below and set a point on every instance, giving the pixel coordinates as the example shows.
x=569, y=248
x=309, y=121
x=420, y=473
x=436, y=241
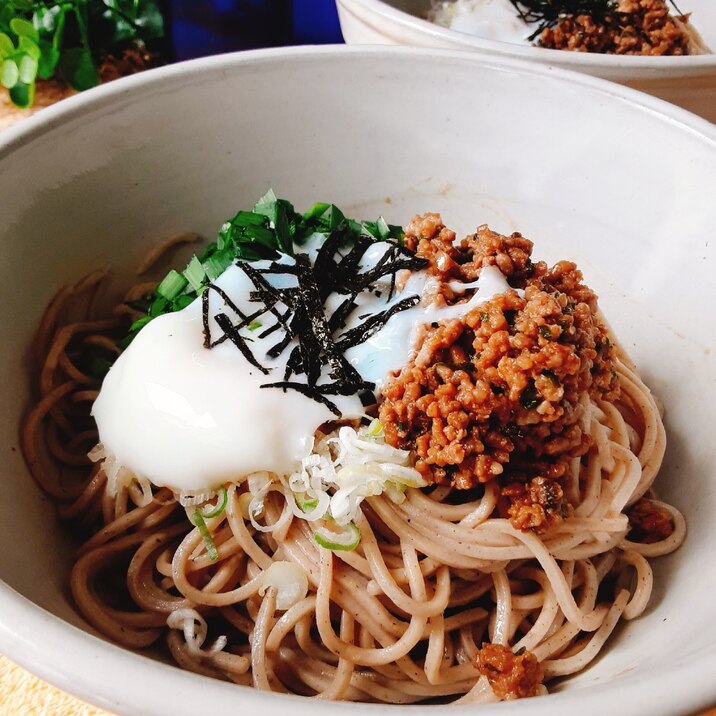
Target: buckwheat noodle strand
x=398, y=620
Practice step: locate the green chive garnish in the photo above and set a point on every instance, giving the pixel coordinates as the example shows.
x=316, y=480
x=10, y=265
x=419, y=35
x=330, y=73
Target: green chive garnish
x=344, y=541
x=199, y=523
x=220, y=506
x=172, y=285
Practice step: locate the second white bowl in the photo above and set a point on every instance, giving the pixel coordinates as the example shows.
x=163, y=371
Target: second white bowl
x=689, y=82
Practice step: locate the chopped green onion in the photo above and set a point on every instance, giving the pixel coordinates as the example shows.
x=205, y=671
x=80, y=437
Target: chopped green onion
x=249, y=218
x=318, y=209
x=344, y=541
x=217, y=263
x=375, y=429
x=305, y=503
x=220, y=505
x=223, y=239
x=284, y=234
x=254, y=325
x=256, y=235
x=383, y=228
x=141, y=305
x=325, y=217
x=271, y=227
x=158, y=306
x=184, y=300
x=266, y=204
x=355, y=227
x=335, y=217
x=172, y=285
x=140, y=323
x=199, y=523
x=194, y=273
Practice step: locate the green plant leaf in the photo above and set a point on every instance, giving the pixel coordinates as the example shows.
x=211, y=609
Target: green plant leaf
x=7, y=46
x=45, y=19
x=150, y=21
x=28, y=69
x=78, y=68
x=9, y=74
x=22, y=4
x=48, y=60
x=24, y=28
x=33, y=36
x=120, y=27
x=23, y=95
x=29, y=47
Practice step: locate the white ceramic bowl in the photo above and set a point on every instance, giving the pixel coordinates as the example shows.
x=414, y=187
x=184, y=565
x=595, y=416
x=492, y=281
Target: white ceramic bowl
x=689, y=82
x=588, y=170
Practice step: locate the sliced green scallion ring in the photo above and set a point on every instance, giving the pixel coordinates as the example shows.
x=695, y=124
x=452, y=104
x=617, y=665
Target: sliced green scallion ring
x=344, y=541
x=304, y=502
x=375, y=429
x=199, y=523
x=220, y=505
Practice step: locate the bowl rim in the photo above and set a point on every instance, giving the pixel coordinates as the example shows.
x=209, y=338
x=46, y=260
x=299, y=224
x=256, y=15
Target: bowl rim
x=32, y=636
x=636, y=65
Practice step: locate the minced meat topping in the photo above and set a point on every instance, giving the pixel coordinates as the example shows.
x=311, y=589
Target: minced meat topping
x=636, y=27
x=511, y=676
x=496, y=394
x=649, y=522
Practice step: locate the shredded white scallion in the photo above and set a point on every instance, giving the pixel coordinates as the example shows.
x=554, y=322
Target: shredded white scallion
x=343, y=469
x=260, y=484
x=290, y=581
x=346, y=468
x=188, y=499
x=193, y=625
x=119, y=477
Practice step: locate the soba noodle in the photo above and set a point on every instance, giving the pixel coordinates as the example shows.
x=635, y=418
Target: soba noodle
x=401, y=618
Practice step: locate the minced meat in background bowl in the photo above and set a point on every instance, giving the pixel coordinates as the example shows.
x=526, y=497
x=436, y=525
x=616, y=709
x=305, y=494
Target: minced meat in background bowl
x=592, y=172
x=688, y=81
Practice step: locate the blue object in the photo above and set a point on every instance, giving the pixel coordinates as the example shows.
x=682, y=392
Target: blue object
x=315, y=22
x=207, y=27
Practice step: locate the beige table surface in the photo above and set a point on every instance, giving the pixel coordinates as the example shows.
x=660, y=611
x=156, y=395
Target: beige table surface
x=22, y=694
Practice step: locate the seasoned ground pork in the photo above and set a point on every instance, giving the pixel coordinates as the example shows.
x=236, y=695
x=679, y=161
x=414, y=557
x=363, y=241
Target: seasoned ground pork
x=637, y=27
x=496, y=394
x=649, y=522
x=510, y=676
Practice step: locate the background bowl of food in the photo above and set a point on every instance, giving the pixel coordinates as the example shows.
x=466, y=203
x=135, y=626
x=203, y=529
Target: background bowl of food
x=210, y=579
x=651, y=31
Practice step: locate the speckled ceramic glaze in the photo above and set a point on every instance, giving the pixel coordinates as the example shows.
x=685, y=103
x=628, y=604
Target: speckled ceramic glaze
x=619, y=182
x=689, y=82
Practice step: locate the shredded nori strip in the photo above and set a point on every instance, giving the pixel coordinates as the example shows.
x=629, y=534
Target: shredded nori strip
x=339, y=316
x=281, y=346
x=374, y=323
x=331, y=271
x=309, y=391
x=232, y=333
x=348, y=265
x=301, y=317
x=205, y=318
x=245, y=320
x=311, y=297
